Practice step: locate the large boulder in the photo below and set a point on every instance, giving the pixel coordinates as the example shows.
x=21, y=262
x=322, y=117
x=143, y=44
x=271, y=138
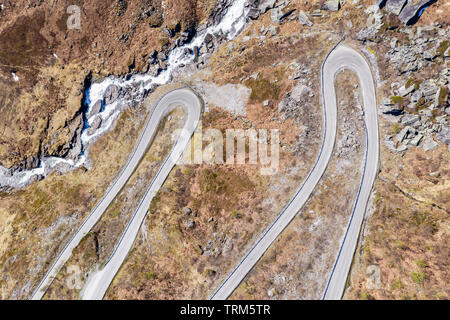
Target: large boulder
x=253, y=13
x=303, y=18
x=406, y=132
x=395, y=6
x=332, y=5
x=411, y=13
x=96, y=108
x=265, y=5
x=444, y=135
x=111, y=94
x=429, y=144
x=410, y=119
x=388, y=107
x=94, y=125
x=276, y=15
x=380, y=3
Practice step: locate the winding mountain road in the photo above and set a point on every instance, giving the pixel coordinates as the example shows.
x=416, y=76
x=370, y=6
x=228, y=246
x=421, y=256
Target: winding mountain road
x=341, y=57
x=97, y=285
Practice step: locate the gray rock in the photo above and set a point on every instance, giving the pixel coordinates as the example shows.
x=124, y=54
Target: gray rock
x=317, y=13
x=186, y=210
x=303, y=18
x=410, y=119
x=444, y=135
x=153, y=70
x=95, y=108
x=94, y=125
x=162, y=56
x=275, y=15
x=298, y=91
x=253, y=13
x=111, y=94
x=428, y=89
x=393, y=43
x=402, y=134
x=332, y=5
x=416, y=96
x=395, y=6
x=416, y=140
x=208, y=38
x=387, y=107
x=265, y=5
x=189, y=224
x=403, y=91
x=447, y=53
x=429, y=55
x=402, y=148
x=32, y=162
x=273, y=31
x=443, y=103
x=429, y=144
x=409, y=14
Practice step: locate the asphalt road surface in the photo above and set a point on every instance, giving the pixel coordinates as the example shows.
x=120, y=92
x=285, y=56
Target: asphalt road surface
x=97, y=285
x=341, y=57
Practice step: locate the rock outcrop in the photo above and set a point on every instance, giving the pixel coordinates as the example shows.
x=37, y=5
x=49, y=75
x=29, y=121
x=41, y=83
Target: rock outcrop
x=411, y=12
x=395, y=6
x=332, y=5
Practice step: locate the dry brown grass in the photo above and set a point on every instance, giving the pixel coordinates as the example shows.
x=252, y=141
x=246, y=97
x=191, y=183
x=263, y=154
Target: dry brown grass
x=97, y=246
x=409, y=242
x=296, y=266
x=35, y=235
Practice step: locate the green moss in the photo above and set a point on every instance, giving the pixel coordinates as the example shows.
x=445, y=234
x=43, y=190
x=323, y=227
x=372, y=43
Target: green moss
x=396, y=128
x=262, y=89
x=423, y=219
x=421, y=263
x=413, y=82
x=407, y=296
x=418, y=277
x=443, y=94
x=365, y=296
x=155, y=203
x=442, y=48
x=397, y=285
x=377, y=198
x=421, y=104
x=397, y=99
